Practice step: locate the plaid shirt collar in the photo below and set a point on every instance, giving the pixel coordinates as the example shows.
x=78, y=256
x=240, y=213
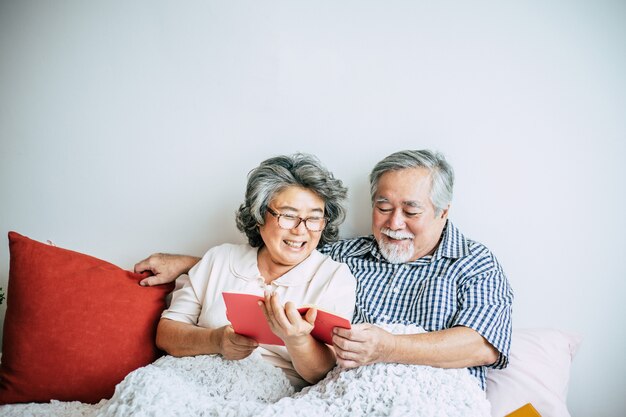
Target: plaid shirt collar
x=452, y=245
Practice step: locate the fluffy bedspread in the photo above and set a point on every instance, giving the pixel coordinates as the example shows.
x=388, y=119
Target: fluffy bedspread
x=212, y=386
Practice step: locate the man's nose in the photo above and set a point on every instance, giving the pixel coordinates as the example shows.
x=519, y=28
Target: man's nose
x=396, y=220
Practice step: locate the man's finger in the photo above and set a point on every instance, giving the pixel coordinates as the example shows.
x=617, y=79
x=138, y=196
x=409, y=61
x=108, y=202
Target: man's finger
x=341, y=337
x=346, y=363
x=142, y=266
x=346, y=345
x=152, y=280
x=358, y=333
x=343, y=333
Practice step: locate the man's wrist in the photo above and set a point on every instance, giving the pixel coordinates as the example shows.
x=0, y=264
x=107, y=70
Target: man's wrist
x=186, y=262
x=390, y=346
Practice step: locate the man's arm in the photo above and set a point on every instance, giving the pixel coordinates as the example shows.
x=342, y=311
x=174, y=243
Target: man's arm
x=183, y=339
x=458, y=347
x=164, y=267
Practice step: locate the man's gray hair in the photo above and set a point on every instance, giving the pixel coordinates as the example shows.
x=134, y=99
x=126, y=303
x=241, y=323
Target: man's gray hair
x=274, y=175
x=441, y=174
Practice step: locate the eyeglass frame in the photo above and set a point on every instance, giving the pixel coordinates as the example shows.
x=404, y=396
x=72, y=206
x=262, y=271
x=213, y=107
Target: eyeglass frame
x=300, y=220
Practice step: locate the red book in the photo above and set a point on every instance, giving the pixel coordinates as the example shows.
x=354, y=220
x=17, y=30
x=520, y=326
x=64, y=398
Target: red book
x=247, y=318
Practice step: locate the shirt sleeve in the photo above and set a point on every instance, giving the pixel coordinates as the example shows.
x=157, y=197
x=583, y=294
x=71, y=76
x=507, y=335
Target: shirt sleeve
x=340, y=294
x=186, y=304
x=341, y=250
x=485, y=306
x=327, y=248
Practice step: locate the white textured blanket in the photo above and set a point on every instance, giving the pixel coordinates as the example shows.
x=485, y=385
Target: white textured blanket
x=212, y=386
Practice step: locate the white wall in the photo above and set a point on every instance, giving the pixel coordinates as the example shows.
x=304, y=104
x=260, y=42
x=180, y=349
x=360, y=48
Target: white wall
x=129, y=127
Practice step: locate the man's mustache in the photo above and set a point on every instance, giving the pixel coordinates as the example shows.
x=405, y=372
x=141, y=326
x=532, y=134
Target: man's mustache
x=397, y=234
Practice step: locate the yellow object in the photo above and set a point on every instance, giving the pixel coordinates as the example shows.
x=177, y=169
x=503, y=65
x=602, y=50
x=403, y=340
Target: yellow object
x=525, y=411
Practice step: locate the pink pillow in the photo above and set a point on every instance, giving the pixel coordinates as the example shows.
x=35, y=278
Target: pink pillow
x=75, y=325
x=538, y=373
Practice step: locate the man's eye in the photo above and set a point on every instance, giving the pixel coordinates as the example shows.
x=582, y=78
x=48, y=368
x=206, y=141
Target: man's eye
x=384, y=210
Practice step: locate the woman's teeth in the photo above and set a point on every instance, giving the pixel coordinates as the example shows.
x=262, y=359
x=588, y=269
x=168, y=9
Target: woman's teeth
x=292, y=244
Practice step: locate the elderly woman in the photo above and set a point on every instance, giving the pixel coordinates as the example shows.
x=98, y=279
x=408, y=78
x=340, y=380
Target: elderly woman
x=292, y=206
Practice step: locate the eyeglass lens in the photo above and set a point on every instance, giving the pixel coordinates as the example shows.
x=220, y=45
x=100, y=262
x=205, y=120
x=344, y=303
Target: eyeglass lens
x=313, y=224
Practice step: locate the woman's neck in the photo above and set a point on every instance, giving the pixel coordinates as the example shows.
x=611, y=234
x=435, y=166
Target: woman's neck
x=269, y=269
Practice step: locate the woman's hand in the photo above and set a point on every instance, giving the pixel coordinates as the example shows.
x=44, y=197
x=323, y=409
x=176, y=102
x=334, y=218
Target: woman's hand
x=311, y=358
x=185, y=339
x=231, y=345
x=286, y=322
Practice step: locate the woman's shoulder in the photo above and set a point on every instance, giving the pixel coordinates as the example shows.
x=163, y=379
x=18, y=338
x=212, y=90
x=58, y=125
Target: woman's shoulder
x=229, y=248
x=327, y=264
x=225, y=253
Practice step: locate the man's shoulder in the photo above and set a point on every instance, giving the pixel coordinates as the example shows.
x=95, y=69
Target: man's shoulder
x=479, y=250
x=478, y=260
x=471, y=255
x=460, y=246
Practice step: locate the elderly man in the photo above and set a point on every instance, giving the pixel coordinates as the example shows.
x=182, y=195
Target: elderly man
x=417, y=268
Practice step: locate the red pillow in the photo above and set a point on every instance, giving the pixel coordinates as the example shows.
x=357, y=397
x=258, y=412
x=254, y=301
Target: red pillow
x=75, y=325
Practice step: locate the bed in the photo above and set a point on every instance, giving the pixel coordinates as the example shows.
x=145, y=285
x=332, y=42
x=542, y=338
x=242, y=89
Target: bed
x=79, y=341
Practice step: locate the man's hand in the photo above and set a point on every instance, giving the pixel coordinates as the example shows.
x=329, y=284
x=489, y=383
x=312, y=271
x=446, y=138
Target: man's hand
x=363, y=344
x=164, y=268
x=233, y=346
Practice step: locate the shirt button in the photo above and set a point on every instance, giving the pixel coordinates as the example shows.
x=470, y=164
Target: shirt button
x=396, y=290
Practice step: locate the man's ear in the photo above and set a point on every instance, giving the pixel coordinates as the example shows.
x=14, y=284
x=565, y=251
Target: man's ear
x=444, y=213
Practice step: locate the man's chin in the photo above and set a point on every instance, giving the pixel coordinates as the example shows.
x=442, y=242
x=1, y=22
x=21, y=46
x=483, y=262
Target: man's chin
x=396, y=253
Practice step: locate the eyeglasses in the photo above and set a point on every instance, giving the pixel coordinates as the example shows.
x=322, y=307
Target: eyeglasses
x=289, y=221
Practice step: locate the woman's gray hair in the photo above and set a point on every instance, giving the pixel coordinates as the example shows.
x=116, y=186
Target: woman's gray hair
x=274, y=175
x=441, y=174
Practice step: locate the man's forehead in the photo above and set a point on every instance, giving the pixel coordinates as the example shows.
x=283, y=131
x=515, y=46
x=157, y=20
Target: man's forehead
x=418, y=179
x=410, y=203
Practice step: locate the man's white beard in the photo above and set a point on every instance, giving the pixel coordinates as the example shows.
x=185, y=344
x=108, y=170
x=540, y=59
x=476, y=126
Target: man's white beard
x=394, y=252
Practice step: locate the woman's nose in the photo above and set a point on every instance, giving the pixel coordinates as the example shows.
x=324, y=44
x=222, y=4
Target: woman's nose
x=300, y=229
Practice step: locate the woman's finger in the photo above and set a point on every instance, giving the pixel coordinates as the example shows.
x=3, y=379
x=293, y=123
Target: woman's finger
x=311, y=315
x=292, y=314
x=268, y=306
x=279, y=312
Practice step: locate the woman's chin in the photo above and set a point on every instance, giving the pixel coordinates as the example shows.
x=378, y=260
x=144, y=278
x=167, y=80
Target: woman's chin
x=294, y=256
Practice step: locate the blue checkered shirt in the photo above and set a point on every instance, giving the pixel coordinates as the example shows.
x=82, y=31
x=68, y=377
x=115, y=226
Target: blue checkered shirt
x=461, y=284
